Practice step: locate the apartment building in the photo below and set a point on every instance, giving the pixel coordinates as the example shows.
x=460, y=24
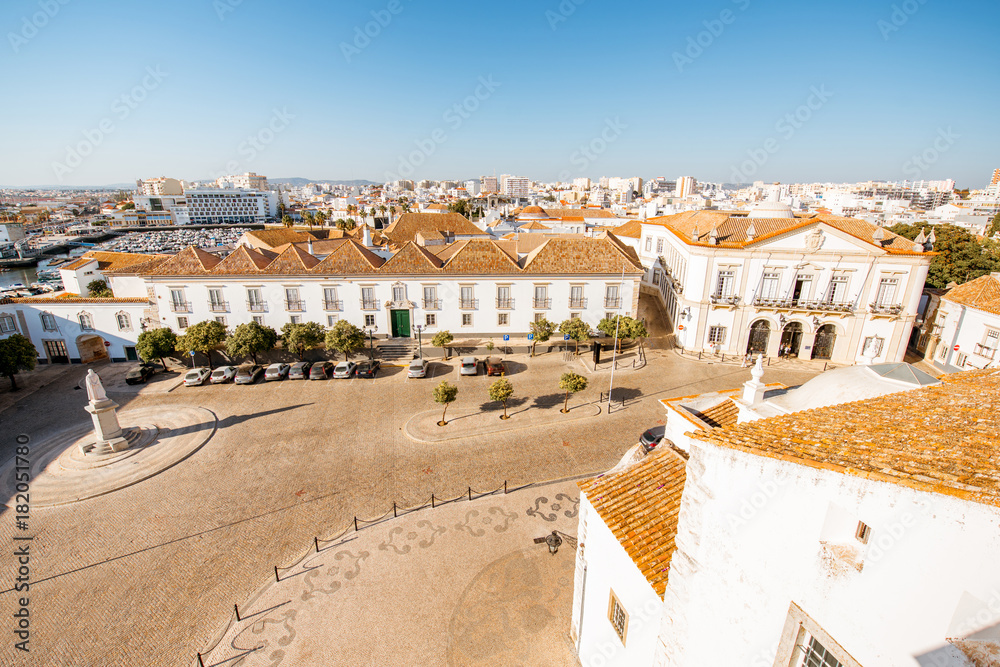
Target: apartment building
x=211, y=206
x=965, y=333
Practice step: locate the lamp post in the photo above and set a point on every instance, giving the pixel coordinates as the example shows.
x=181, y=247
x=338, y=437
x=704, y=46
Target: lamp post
x=553, y=541
x=371, y=341
x=420, y=341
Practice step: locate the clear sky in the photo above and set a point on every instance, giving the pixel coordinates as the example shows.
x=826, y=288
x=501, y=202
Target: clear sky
x=107, y=92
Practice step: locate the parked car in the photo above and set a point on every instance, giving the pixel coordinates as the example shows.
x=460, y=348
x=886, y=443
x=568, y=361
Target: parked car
x=417, y=369
x=321, y=370
x=139, y=374
x=469, y=366
x=223, y=374
x=368, y=369
x=249, y=374
x=344, y=369
x=299, y=370
x=651, y=438
x=277, y=371
x=196, y=377
x=494, y=366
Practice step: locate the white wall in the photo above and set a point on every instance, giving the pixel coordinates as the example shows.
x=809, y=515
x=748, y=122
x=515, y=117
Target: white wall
x=752, y=547
x=609, y=568
x=68, y=329
x=966, y=328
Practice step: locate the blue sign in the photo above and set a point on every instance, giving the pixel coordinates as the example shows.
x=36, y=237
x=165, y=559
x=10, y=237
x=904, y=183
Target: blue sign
x=565, y=336
x=191, y=353
x=531, y=336
x=506, y=337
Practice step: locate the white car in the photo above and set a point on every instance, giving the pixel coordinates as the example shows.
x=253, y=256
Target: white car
x=469, y=366
x=277, y=371
x=223, y=374
x=344, y=369
x=417, y=369
x=196, y=377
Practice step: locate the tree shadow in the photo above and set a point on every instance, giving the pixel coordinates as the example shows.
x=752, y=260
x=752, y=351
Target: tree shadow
x=514, y=367
x=435, y=370
x=233, y=420
x=549, y=401
x=625, y=394
x=497, y=406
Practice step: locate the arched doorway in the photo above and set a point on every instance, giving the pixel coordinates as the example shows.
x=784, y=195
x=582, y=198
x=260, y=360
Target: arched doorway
x=826, y=336
x=760, y=332
x=91, y=348
x=791, y=340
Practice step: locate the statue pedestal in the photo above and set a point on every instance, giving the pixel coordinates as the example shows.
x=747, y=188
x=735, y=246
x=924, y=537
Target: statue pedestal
x=107, y=431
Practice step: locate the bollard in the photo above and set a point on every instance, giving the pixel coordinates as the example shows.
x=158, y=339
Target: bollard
x=237, y=608
x=276, y=579
x=432, y=501
x=699, y=355
x=505, y=487
x=394, y=509
x=470, y=493
x=355, y=524
x=824, y=366
x=316, y=542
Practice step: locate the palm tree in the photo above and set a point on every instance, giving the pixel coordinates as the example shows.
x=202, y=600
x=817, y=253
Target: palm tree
x=392, y=212
x=405, y=206
x=382, y=208
x=287, y=221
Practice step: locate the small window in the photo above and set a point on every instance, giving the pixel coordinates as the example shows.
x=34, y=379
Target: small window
x=863, y=532
x=503, y=319
x=716, y=335
x=295, y=319
x=618, y=617
x=610, y=316
x=123, y=321
x=48, y=322
x=7, y=324
x=649, y=243
x=331, y=320
x=466, y=319
x=369, y=320
x=539, y=317
x=659, y=246
x=814, y=654
x=430, y=320
x=220, y=319
x=259, y=319
x=182, y=323
x=574, y=316
x=86, y=321
x=961, y=360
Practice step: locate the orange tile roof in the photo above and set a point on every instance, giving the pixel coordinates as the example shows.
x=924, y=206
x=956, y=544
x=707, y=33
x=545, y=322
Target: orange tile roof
x=407, y=225
x=292, y=261
x=534, y=224
x=411, y=258
x=641, y=506
x=731, y=229
x=603, y=254
x=242, y=261
x=724, y=414
x=480, y=257
x=632, y=229
x=273, y=238
x=111, y=261
x=191, y=261
x=351, y=258
x=983, y=293
x=71, y=299
x=939, y=439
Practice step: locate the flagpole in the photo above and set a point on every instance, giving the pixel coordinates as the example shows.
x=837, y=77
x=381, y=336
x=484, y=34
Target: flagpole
x=614, y=352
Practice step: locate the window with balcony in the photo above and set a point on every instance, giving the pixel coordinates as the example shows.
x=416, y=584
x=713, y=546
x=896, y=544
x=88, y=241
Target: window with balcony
x=216, y=302
x=838, y=290
x=330, y=300
x=178, y=303
x=724, y=283
x=803, y=288
x=886, y=294
x=503, y=297
x=368, y=299
x=611, y=297
x=255, y=300
x=769, y=285
x=542, y=299
x=988, y=348
x=576, y=299
x=468, y=299
x=292, y=300
x=399, y=293
x=431, y=301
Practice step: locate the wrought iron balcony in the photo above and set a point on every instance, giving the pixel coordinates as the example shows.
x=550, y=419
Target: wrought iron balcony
x=332, y=305
x=725, y=299
x=295, y=304
x=469, y=304
x=885, y=308
x=505, y=304
x=218, y=306
x=180, y=306
x=793, y=304
x=612, y=302
x=256, y=306
x=577, y=303
x=432, y=304
x=369, y=304
x=543, y=303
x=985, y=352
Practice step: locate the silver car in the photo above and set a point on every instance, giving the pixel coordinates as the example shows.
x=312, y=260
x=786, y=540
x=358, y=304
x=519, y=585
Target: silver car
x=469, y=366
x=223, y=374
x=278, y=371
x=417, y=369
x=344, y=370
x=196, y=377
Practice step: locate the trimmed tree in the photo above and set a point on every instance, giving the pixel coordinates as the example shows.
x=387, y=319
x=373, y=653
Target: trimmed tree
x=501, y=391
x=99, y=289
x=345, y=337
x=443, y=339
x=637, y=331
x=444, y=394
x=302, y=337
x=612, y=327
x=16, y=354
x=156, y=344
x=202, y=337
x=250, y=338
x=543, y=330
x=577, y=329
x=571, y=383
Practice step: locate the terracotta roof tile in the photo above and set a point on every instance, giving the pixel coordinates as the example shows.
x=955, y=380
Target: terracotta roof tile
x=111, y=261
x=292, y=261
x=71, y=299
x=641, y=506
x=941, y=439
x=191, y=261
x=408, y=224
x=273, y=238
x=631, y=229
x=582, y=255
x=482, y=258
x=412, y=258
x=242, y=261
x=983, y=293
x=351, y=258
x=724, y=414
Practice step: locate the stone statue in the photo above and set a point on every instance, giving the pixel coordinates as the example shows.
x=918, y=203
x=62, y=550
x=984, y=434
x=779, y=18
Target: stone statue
x=95, y=390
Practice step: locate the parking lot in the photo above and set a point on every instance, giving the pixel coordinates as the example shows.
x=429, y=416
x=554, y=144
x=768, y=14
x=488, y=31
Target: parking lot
x=146, y=575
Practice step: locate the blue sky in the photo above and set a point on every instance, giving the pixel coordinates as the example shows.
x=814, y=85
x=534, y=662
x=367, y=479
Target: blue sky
x=109, y=92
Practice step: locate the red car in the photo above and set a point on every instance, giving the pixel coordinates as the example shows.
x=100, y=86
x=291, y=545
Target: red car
x=494, y=366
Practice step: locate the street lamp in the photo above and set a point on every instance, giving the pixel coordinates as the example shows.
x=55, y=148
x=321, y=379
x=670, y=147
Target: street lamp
x=420, y=341
x=553, y=541
x=371, y=341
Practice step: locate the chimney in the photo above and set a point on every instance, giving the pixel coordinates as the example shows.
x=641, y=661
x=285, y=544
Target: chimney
x=310, y=246
x=753, y=389
x=366, y=237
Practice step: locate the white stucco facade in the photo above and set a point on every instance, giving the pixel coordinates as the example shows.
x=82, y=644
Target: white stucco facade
x=966, y=337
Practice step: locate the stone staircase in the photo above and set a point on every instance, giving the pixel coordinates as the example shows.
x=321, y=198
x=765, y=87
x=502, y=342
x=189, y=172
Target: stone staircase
x=397, y=350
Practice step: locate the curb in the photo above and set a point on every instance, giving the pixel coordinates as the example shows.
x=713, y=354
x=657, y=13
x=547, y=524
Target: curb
x=593, y=411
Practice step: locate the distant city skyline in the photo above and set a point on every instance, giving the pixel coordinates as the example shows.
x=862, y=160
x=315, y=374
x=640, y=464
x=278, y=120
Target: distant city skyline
x=551, y=91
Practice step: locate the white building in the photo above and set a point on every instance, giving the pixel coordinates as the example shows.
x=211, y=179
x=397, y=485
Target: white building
x=773, y=282
x=823, y=538
x=247, y=181
x=213, y=206
x=489, y=184
x=966, y=330
x=159, y=187
x=11, y=232
x=685, y=186
x=515, y=186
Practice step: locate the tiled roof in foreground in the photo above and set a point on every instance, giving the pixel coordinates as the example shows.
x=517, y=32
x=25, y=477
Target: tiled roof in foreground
x=940, y=439
x=641, y=505
x=983, y=293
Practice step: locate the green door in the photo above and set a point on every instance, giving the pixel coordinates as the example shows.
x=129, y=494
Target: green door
x=400, y=324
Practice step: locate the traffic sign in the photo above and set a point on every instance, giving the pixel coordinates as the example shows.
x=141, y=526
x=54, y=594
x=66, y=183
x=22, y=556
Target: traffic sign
x=506, y=337
x=191, y=353
x=531, y=336
x=956, y=348
x=107, y=343
x=565, y=336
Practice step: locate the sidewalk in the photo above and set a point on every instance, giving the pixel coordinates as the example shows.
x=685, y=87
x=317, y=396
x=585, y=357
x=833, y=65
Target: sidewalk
x=461, y=584
x=785, y=363
x=423, y=427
